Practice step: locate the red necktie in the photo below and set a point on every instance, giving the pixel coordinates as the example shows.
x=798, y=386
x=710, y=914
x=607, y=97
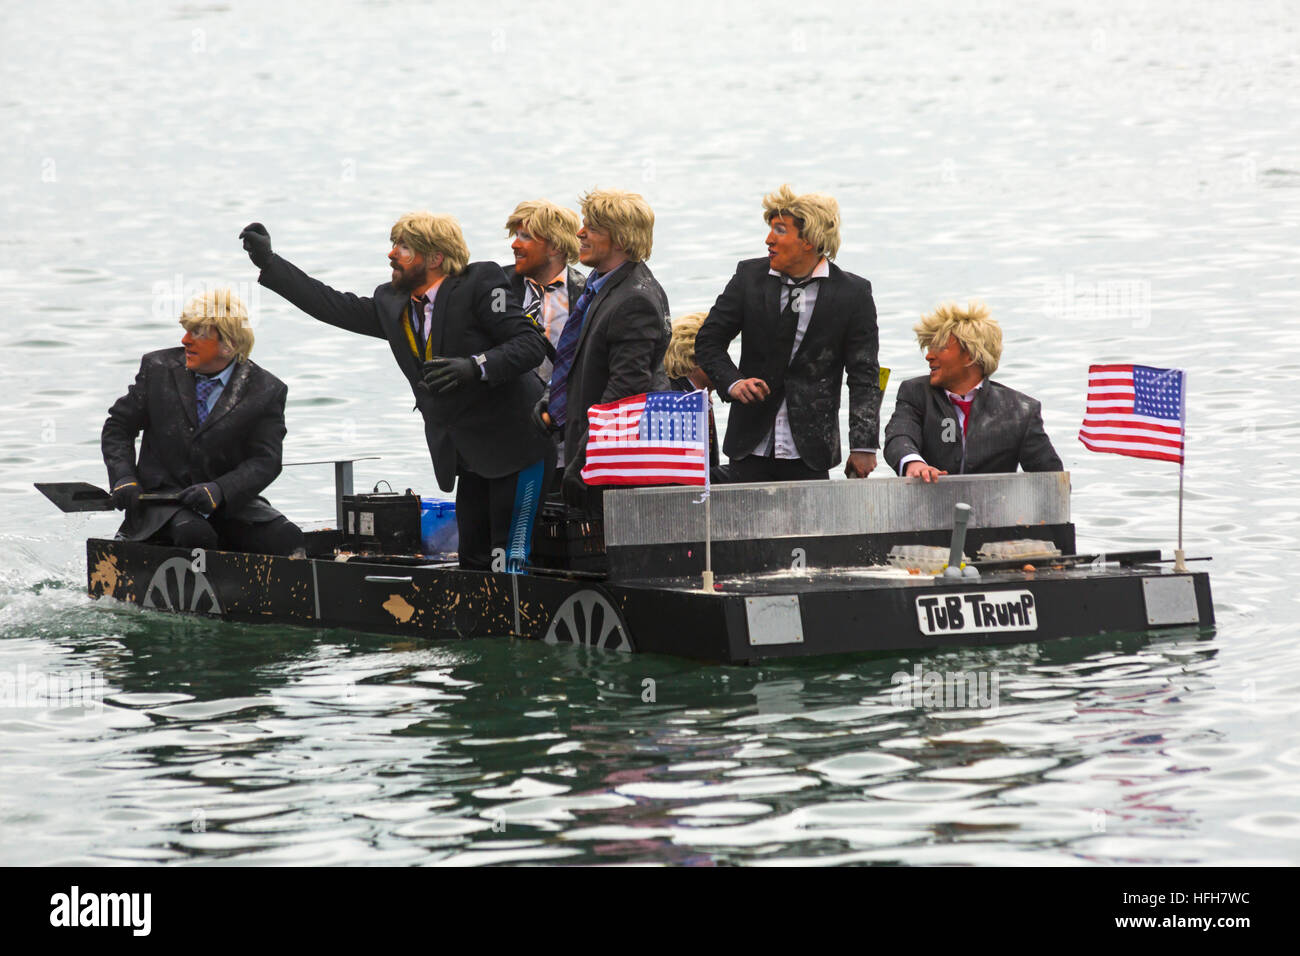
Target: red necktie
x=964, y=404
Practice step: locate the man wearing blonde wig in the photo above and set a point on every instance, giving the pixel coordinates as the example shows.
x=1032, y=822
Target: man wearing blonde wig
x=804, y=323
x=459, y=337
x=545, y=246
x=956, y=420
x=615, y=336
x=213, y=425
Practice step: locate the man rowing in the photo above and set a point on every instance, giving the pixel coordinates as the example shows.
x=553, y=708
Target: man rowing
x=213, y=426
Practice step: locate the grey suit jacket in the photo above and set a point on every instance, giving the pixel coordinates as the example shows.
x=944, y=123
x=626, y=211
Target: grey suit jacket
x=620, y=353
x=238, y=445
x=1005, y=430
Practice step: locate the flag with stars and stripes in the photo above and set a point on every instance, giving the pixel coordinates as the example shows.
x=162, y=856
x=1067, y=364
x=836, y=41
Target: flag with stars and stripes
x=1136, y=410
x=660, y=438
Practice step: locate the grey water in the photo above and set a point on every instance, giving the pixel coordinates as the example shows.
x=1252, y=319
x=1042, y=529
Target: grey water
x=1119, y=181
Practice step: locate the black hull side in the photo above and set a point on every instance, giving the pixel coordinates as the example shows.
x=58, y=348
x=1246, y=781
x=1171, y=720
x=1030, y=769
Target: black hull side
x=747, y=619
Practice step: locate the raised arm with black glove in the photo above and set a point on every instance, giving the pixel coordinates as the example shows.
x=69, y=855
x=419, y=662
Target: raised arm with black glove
x=257, y=243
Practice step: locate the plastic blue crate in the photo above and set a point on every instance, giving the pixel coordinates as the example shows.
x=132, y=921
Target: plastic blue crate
x=438, y=526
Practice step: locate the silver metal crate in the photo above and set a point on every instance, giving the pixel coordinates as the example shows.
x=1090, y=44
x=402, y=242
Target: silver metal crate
x=670, y=515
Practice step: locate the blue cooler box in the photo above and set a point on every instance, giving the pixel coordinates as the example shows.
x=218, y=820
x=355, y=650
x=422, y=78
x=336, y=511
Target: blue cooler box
x=438, y=526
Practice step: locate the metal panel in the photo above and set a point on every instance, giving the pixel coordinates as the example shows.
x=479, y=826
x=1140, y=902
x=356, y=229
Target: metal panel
x=639, y=516
x=1170, y=600
x=774, y=619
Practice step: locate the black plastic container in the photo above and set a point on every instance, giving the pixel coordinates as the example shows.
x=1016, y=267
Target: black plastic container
x=381, y=523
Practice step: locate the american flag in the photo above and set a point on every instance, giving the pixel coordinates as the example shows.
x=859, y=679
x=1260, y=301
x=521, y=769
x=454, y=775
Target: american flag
x=1135, y=410
x=660, y=438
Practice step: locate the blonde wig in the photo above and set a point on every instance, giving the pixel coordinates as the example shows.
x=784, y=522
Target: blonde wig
x=627, y=217
x=223, y=312
x=427, y=234
x=548, y=222
x=679, y=360
x=973, y=327
x=815, y=214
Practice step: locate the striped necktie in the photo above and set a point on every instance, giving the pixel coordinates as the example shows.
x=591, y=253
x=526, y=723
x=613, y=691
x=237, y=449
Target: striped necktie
x=534, y=309
x=564, y=355
x=418, y=303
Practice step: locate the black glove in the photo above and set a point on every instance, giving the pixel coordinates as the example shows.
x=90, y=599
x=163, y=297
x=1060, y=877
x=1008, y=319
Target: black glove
x=257, y=243
x=204, y=498
x=545, y=424
x=448, y=374
x=126, y=496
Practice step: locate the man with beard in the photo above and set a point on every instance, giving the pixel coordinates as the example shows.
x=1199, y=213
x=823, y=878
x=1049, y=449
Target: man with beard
x=460, y=339
x=545, y=247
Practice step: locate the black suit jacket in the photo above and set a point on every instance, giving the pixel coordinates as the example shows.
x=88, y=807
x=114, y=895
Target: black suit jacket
x=620, y=353
x=841, y=336
x=238, y=445
x=486, y=425
x=1005, y=430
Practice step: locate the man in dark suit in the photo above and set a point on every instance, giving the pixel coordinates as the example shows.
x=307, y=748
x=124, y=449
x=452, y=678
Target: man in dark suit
x=956, y=420
x=614, y=340
x=542, y=275
x=804, y=323
x=460, y=339
x=213, y=425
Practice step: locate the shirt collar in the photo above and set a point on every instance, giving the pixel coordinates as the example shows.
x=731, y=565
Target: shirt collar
x=223, y=376
x=969, y=395
x=594, y=282
x=822, y=271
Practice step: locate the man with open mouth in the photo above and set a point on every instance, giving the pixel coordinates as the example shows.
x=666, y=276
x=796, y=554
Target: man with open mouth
x=804, y=325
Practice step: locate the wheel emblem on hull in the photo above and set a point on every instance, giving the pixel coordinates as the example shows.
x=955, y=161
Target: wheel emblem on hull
x=588, y=617
x=176, y=586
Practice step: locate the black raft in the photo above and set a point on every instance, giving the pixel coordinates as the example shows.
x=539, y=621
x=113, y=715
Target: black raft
x=800, y=569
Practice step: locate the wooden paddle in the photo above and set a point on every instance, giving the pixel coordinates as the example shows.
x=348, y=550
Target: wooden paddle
x=83, y=496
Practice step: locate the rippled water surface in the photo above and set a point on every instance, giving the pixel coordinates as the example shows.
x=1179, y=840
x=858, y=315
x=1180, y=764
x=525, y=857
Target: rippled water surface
x=1119, y=182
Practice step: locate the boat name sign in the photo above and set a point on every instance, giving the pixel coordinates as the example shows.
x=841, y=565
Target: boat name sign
x=977, y=612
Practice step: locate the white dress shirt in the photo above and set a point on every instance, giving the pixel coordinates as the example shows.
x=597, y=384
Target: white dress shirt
x=555, y=312
x=780, y=436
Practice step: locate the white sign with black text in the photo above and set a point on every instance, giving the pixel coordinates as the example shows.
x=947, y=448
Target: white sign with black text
x=977, y=612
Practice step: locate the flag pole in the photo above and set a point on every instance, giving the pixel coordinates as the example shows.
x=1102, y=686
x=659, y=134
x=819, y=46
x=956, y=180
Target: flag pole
x=1180, y=562
x=706, y=579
